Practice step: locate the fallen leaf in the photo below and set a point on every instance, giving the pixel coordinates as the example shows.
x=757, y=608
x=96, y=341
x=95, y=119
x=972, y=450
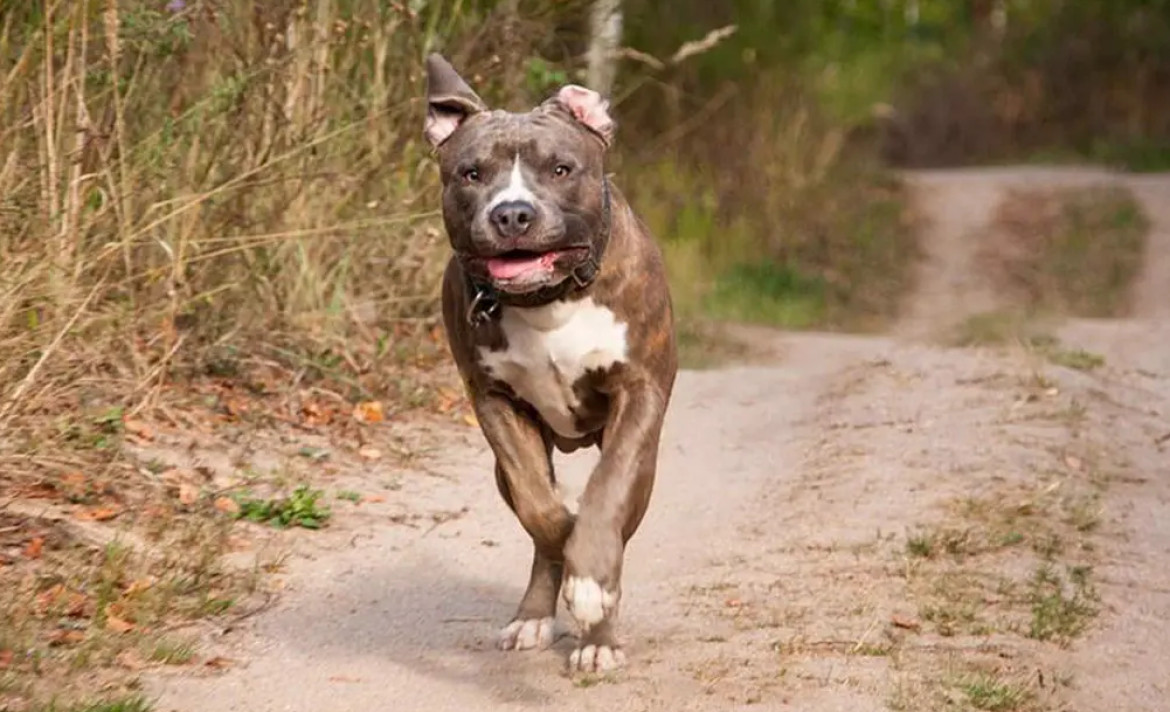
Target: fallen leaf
x=40, y=490
x=370, y=453
x=905, y=623
x=118, y=625
x=471, y=420
x=227, y=505
x=235, y=407
x=6, y=657
x=316, y=415
x=448, y=399
x=373, y=498
x=733, y=603
x=138, y=429
x=369, y=412
x=174, y=476
x=1073, y=462
x=75, y=607
x=34, y=548
x=219, y=662
x=48, y=598
x=74, y=484
x=66, y=637
x=99, y=514
x=188, y=493
x=138, y=586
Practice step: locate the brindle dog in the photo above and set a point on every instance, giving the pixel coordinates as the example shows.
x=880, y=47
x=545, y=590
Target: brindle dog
x=559, y=319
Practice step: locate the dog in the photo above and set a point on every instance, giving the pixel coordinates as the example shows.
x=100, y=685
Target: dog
x=559, y=319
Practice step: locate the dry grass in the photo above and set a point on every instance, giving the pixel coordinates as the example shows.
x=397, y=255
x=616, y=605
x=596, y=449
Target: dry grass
x=199, y=205
x=1017, y=328
x=1073, y=251
x=78, y=616
x=193, y=191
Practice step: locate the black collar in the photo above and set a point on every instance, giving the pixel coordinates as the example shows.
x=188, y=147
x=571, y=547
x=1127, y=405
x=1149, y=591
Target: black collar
x=487, y=302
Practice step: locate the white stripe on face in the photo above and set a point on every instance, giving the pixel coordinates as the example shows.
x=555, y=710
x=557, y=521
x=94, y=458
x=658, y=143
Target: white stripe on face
x=516, y=190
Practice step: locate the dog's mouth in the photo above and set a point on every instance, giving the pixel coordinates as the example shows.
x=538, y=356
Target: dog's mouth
x=527, y=268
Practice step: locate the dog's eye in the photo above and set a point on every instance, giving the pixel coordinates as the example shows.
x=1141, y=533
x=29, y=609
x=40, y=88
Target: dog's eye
x=471, y=175
x=562, y=170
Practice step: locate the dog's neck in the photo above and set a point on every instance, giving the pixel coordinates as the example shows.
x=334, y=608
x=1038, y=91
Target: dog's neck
x=487, y=302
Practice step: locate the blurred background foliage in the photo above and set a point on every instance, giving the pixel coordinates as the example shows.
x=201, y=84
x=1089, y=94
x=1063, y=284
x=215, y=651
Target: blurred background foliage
x=189, y=183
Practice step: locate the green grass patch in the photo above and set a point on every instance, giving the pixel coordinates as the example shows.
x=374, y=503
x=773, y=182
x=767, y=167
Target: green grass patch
x=1078, y=359
x=1141, y=156
x=985, y=691
x=767, y=293
x=1005, y=327
x=128, y=704
x=1073, y=251
x=301, y=508
x=172, y=652
x=1062, y=606
x=993, y=328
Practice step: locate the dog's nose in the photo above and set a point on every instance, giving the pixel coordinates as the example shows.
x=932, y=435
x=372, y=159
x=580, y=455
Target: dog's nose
x=513, y=218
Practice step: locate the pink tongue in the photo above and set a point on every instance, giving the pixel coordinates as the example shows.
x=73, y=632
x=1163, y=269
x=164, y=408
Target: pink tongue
x=511, y=268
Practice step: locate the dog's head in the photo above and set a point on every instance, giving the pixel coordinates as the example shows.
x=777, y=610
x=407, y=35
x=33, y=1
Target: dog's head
x=524, y=198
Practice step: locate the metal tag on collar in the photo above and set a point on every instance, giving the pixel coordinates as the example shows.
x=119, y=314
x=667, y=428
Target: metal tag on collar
x=483, y=308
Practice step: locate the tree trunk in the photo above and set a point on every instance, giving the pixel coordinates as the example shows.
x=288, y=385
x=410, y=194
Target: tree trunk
x=605, y=37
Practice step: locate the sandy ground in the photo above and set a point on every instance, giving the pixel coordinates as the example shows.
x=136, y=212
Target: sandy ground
x=771, y=571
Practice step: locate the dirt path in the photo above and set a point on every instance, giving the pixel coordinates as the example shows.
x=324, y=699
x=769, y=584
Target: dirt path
x=772, y=571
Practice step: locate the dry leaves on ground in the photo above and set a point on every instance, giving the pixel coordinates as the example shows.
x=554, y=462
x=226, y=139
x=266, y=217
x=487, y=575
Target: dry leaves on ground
x=98, y=514
x=118, y=625
x=369, y=412
x=34, y=548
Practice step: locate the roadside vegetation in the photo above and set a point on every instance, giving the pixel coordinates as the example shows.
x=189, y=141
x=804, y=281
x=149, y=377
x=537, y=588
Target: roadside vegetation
x=1074, y=252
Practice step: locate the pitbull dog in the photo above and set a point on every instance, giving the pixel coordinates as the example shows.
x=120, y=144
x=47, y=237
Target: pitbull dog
x=560, y=322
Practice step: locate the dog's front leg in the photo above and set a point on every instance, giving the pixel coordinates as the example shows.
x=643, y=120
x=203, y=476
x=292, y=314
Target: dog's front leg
x=525, y=479
x=612, y=507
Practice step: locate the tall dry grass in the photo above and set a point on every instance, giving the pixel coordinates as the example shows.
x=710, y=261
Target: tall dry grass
x=183, y=182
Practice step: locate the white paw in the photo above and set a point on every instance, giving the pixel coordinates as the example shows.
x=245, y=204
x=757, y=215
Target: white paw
x=587, y=601
x=596, y=658
x=526, y=634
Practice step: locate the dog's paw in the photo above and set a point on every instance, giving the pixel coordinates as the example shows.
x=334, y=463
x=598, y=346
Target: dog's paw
x=526, y=634
x=596, y=658
x=587, y=601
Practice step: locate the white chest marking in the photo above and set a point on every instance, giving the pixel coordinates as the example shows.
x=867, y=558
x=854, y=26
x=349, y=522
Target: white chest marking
x=549, y=348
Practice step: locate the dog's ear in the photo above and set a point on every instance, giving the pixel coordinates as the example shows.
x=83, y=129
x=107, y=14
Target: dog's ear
x=449, y=100
x=589, y=108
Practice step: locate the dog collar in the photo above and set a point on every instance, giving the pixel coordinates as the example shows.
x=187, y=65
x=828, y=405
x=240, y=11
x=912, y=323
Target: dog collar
x=487, y=302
